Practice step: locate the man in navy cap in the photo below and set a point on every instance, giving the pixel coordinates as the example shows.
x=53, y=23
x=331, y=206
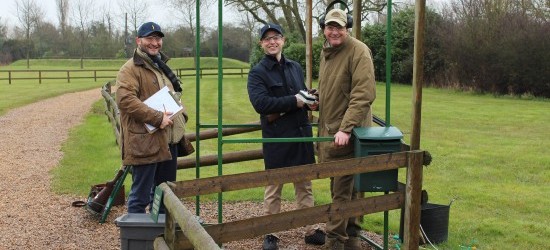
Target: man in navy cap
x=152, y=155
x=273, y=88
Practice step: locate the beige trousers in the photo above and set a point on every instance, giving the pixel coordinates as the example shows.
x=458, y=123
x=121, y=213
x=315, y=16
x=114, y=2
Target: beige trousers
x=304, y=199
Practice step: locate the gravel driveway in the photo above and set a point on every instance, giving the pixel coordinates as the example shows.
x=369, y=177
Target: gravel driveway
x=33, y=217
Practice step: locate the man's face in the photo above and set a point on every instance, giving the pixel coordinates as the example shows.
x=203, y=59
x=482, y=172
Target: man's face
x=335, y=34
x=272, y=43
x=150, y=44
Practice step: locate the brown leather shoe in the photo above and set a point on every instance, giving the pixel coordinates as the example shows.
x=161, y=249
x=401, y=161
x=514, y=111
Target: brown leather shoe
x=353, y=243
x=333, y=244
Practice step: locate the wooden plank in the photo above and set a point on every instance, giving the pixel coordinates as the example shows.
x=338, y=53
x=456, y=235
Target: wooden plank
x=210, y=160
x=413, y=197
x=194, y=231
x=169, y=229
x=258, y=226
x=288, y=175
x=213, y=133
x=160, y=244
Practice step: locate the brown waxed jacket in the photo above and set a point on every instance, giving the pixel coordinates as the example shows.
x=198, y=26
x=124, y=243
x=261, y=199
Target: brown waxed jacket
x=346, y=92
x=137, y=80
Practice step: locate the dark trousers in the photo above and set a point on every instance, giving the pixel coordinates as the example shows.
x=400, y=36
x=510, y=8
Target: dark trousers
x=146, y=177
x=342, y=190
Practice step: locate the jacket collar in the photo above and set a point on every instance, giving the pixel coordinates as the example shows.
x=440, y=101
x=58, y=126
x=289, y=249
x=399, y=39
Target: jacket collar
x=329, y=50
x=140, y=58
x=270, y=61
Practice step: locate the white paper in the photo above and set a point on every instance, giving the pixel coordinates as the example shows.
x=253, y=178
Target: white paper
x=162, y=101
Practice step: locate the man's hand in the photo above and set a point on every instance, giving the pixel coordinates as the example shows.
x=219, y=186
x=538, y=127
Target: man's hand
x=314, y=106
x=341, y=138
x=299, y=101
x=166, y=121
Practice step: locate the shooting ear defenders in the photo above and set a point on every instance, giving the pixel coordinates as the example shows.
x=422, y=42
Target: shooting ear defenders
x=349, y=22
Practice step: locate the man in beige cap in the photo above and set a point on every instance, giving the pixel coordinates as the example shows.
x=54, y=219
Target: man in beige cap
x=346, y=93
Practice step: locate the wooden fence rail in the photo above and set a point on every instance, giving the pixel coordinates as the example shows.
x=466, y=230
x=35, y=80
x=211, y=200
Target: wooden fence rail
x=95, y=74
x=194, y=236
x=407, y=198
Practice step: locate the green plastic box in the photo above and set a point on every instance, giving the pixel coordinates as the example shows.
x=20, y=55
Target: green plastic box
x=373, y=141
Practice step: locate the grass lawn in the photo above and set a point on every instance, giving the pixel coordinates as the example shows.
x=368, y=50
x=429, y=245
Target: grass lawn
x=490, y=157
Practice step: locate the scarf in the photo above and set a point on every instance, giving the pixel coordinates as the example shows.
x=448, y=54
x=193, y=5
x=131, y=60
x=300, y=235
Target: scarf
x=176, y=83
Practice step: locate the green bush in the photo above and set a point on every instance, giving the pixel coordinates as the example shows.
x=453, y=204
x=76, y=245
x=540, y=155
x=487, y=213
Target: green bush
x=402, y=46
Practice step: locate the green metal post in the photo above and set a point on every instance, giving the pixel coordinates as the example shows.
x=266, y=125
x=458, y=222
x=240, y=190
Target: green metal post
x=388, y=63
x=220, y=102
x=386, y=229
x=197, y=101
x=388, y=98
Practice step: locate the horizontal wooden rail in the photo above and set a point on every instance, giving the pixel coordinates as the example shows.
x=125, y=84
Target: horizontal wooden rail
x=68, y=74
x=210, y=160
x=111, y=110
x=252, y=227
x=407, y=197
x=287, y=175
x=213, y=133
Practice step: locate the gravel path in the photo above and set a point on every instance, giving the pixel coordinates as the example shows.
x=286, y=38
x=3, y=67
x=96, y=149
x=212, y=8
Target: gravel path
x=33, y=217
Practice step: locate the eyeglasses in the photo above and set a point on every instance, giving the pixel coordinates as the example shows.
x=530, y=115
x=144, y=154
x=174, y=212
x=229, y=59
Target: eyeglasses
x=153, y=38
x=335, y=28
x=275, y=38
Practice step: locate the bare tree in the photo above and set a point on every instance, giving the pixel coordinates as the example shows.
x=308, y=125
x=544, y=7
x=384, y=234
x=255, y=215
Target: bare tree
x=136, y=10
x=62, y=14
x=186, y=12
x=3, y=30
x=82, y=12
x=29, y=15
x=291, y=13
x=108, y=19
x=247, y=22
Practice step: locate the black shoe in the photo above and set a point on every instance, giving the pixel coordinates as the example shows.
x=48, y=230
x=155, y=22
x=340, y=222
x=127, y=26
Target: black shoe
x=317, y=238
x=270, y=242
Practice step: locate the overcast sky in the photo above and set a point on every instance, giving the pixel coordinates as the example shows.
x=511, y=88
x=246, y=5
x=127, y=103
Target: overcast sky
x=158, y=12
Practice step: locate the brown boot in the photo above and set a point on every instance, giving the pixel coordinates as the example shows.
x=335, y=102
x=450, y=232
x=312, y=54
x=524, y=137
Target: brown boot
x=353, y=243
x=333, y=244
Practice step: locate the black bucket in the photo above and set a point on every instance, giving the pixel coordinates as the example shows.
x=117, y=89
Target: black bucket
x=434, y=220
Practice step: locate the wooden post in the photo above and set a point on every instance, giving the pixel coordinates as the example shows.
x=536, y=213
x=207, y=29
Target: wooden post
x=356, y=31
x=413, y=191
x=40, y=77
x=68, y=77
x=9, y=77
x=309, y=44
x=418, y=72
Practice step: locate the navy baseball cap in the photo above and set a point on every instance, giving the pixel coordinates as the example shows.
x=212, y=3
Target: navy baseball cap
x=270, y=26
x=148, y=28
